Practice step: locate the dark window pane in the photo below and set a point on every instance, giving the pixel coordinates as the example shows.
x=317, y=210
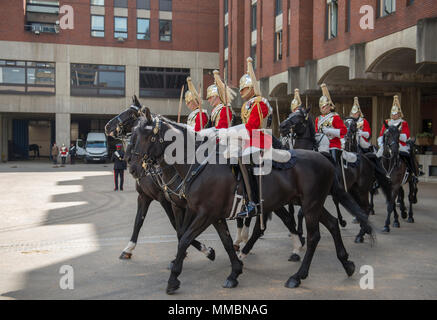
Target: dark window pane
x=143, y=4
x=165, y=30
x=92, y=80
x=120, y=3
x=165, y=5
x=278, y=7
x=162, y=82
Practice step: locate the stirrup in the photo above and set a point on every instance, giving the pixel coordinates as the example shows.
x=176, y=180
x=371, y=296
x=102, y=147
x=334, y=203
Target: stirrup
x=250, y=212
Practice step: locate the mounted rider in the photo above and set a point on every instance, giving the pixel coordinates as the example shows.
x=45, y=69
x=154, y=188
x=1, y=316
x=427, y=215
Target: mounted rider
x=329, y=125
x=219, y=96
x=198, y=118
x=254, y=114
x=364, y=131
x=296, y=102
x=395, y=120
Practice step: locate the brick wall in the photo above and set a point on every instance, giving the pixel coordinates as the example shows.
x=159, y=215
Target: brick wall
x=194, y=26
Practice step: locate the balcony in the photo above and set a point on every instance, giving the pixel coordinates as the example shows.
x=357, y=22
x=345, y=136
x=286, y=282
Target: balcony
x=42, y=16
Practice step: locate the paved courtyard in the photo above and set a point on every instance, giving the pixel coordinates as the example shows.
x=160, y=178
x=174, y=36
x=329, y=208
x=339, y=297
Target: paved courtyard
x=51, y=217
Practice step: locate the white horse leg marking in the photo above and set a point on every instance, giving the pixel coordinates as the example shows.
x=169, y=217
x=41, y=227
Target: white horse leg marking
x=245, y=234
x=130, y=247
x=205, y=250
x=296, y=243
x=238, y=238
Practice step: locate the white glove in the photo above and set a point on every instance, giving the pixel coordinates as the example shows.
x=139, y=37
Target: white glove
x=380, y=152
x=380, y=141
x=403, y=137
x=363, y=134
x=331, y=132
x=210, y=132
x=235, y=132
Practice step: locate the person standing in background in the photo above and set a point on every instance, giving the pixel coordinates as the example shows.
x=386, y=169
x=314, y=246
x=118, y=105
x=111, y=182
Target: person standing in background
x=119, y=167
x=55, y=153
x=64, y=154
x=72, y=153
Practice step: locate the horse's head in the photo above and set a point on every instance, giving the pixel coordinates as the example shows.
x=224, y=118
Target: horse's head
x=122, y=124
x=350, y=139
x=147, y=141
x=296, y=122
x=391, y=140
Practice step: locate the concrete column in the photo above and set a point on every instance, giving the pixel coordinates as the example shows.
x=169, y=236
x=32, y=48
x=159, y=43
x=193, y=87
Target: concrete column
x=132, y=82
x=63, y=123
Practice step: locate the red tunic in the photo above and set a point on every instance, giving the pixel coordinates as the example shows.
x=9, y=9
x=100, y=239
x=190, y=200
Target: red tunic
x=64, y=151
x=404, y=130
x=223, y=120
x=366, y=128
x=337, y=123
x=258, y=139
x=199, y=126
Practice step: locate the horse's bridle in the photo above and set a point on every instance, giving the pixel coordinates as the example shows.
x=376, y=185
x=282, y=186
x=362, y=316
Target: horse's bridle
x=392, y=162
x=121, y=123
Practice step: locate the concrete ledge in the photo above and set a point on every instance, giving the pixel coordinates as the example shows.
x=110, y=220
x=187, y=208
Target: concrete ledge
x=165, y=15
x=141, y=13
x=120, y=12
x=99, y=10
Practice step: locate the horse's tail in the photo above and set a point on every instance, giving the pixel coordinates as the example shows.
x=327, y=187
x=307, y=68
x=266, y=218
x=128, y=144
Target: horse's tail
x=346, y=200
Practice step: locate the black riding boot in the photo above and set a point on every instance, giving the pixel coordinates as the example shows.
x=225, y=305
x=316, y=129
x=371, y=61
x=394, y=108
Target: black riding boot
x=335, y=156
x=251, y=187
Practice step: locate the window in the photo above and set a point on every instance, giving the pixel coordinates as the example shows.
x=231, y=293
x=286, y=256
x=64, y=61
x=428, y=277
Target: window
x=165, y=30
x=97, y=80
x=278, y=7
x=165, y=5
x=253, y=16
x=332, y=19
x=27, y=77
x=278, y=46
x=226, y=6
x=143, y=29
x=162, y=82
x=410, y=2
x=226, y=37
x=120, y=3
x=387, y=7
x=143, y=4
x=120, y=27
x=253, y=55
x=97, y=2
x=97, y=26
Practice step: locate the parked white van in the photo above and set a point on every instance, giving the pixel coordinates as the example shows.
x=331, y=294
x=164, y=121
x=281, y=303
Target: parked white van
x=96, y=147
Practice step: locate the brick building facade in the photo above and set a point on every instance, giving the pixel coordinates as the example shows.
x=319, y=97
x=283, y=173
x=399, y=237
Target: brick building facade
x=59, y=84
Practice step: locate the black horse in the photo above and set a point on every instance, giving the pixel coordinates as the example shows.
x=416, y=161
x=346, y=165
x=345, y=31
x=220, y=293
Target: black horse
x=308, y=183
x=361, y=177
x=35, y=148
x=301, y=126
x=119, y=127
x=396, y=169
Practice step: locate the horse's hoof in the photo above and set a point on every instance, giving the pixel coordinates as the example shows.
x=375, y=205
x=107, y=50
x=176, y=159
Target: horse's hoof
x=294, y=258
x=386, y=229
x=372, y=212
x=242, y=256
x=211, y=254
x=236, y=247
x=396, y=224
x=404, y=215
x=292, y=283
x=359, y=239
x=173, y=287
x=410, y=220
x=343, y=224
x=125, y=256
x=230, y=283
x=349, y=267
x=170, y=265
x=355, y=221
